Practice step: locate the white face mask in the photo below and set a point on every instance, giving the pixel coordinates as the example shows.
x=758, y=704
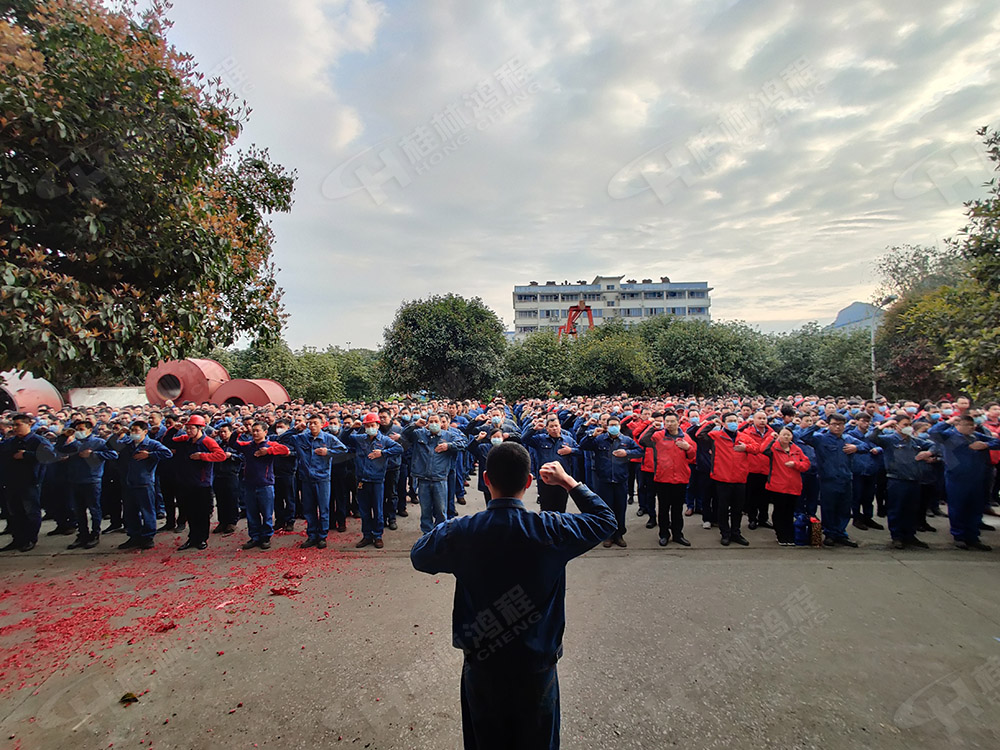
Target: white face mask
x=80, y=435
x=370, y=431
x=496, y=441
x=281, y=430
x=906, y=430
x=434, y=427
x=136, y=437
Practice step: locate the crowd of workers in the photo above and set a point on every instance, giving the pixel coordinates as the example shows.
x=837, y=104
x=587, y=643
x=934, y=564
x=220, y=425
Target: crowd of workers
x=673, y=457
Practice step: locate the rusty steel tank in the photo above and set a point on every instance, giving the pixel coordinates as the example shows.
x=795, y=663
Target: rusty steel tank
x=22, y=391
x=182, y=380
x=258, y=392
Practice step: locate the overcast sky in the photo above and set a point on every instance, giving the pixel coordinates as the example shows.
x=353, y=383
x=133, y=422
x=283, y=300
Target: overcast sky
x=772, y=148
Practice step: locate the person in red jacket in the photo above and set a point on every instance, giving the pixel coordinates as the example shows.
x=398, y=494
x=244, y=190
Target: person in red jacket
x=730, y=466
x=673, y=452
x=640, y=470
x=786, y=463
x=757, y=497
x=194, y=454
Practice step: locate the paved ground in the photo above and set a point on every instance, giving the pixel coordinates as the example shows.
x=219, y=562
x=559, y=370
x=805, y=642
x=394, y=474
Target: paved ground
x=706, y=647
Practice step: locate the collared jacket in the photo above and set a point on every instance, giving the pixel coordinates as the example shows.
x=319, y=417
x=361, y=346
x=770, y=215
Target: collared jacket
x=509, y=565
x=371, y=469
x=728, y=464
x=671, y=464
x=195, y=472
x=780, y=478
x=310, y=465
x=758, y=463
x=866, y=464
x=426, y=462
x=961, y=463
x=900, y=453
x=258, y=471
x=607, y=466
x=27, y=471
x=396, y=459
x=547, y=447
x=140, y=472
x=88, y=470
x=834, y=465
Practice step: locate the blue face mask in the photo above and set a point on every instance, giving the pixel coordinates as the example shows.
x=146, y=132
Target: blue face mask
x=80, y=435
x=614, y=429
x=947, y=412
x=496, y=421
x=888, y=431
x=855, y=410
x=911, y=410
x=732, y=426
x=434, y=428
x=934, y=416
x=404, y=418
x=496, y=440
x=980, y=419
x=694, y=420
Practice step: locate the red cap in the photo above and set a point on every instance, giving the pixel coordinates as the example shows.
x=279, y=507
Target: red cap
x=197, y=420
x=370, y=418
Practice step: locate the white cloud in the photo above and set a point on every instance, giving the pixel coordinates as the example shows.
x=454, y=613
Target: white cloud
x=872, y=144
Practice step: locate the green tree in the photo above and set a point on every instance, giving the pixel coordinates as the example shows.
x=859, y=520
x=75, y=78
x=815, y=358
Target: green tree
x=448, y=344
x=537, y=366
x=695, y=356
x=359, y=371
x=321, y=373
x=128, y=231
x=610, y=359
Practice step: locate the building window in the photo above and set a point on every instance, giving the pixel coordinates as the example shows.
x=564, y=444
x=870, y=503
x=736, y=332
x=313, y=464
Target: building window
x=527, y=298
x=652, y=295
x=699, y=295
x=676, y=295
x=600, y=313
x=611, y=303
x=590, y=297
x=610, y=287
x=527, y=313
x=678, y=311
x=548, y=297
x=697, y=311
x=655, y=311
x=527, y=329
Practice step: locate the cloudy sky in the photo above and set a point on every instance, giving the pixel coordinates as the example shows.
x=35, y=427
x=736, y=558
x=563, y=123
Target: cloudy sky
x=770, y=147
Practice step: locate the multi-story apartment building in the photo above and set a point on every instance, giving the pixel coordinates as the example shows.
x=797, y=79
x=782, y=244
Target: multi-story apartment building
x=544, y=307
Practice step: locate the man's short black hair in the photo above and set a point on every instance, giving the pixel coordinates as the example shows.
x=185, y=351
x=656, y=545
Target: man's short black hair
x=141, y=425
x=835, y=417
x=508, y=467
x=965, y=419
x=787, y=411
x=21, y=418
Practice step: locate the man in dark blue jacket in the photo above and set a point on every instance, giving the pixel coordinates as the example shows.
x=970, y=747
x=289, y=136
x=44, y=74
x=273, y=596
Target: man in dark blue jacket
x=612, y=452
x=22, y=456
x=966, y=476
x=87, y=454
x=139, y=456
x=552, y=445
x=510, y=588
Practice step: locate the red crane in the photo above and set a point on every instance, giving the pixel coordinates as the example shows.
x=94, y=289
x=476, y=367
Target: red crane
x=569, y=327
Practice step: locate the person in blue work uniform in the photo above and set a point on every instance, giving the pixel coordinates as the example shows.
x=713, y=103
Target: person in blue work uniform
x=138, y=456
x=389, y=507
x=612, y=452
x=553, y=445
x=22, y=458
x=480, y=447
x=966, y=454
x=315, y=449
x=226, y=481
x=285, y=490
x=864, y=470
x=87, y=454
x=371, y=455
x=510, y=589
x=833, y=456
x=258, y=478
x=903, y=454
x=434, y=450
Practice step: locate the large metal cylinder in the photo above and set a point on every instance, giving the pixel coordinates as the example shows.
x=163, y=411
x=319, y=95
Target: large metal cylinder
x=251, y=392
x=184, y=380
x=22, y=391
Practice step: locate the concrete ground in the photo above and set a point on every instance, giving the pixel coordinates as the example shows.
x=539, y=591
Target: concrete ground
x=704, y=647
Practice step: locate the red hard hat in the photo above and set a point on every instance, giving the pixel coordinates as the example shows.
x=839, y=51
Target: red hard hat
x=370, y=418
x=197, y=420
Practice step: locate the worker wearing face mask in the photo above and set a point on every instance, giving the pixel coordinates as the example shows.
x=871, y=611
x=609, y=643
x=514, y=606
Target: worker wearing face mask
x=480, y=447
x=434, y=451
x=372, y=450
x=139, y=455
x=903, y=454
x=730, y=467
x=87, y=454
